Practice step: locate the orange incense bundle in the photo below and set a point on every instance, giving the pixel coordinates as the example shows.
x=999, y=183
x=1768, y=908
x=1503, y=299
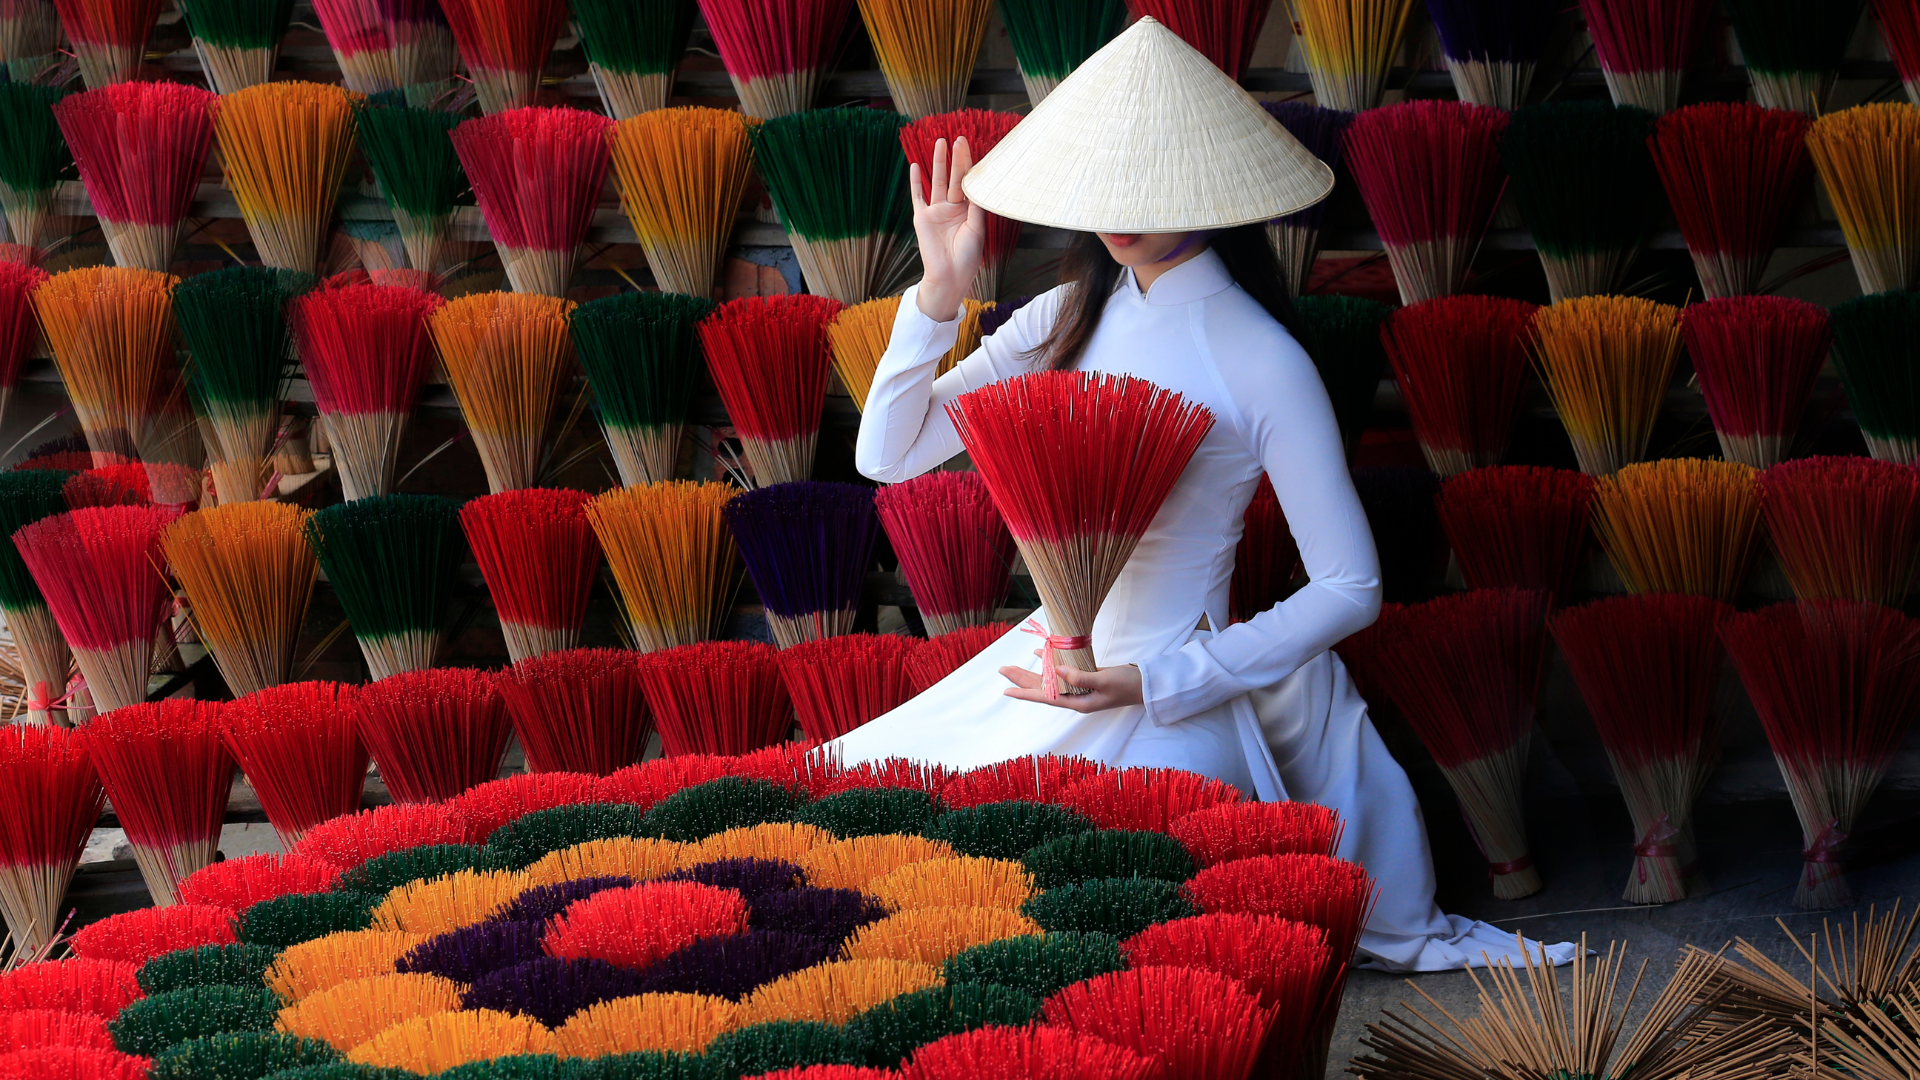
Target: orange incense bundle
x=140, y=147
x=860, y=334
x=1756, y=358
x=954, y=547
x=1606, y=361
x=301, y=753
x=776, y=51
x=1679, y=525
x=840, y=683
x=505, y=354
x=769, y=358
x=1517, y=526
x=112, y=337
x=1867, y=157
x=982, y=130
x=285, y=148
x=717, y=697
x=109, y=37
x=1845, y=528
x=505, y=44
x=1078, y=464
x=1732, y=171
x=672, y=557
x=1199, y=1023
x=537, y=174
x=1266, y=560
x=683, y=174
x=578, y=711
x=248, y=574
x=927, y=51
x=168, y=776
x=537, y=552
x=1245, y=830
x=433, y=733
x=938, y=657
x=50, y=797
x=1461, y=364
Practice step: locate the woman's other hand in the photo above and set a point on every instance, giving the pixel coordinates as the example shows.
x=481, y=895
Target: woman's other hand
x=1107, y=688
x=952, y=232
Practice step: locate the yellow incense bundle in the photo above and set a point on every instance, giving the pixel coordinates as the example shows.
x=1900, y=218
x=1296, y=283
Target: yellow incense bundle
x=323, y=963
x=926, y=50
x=1348, y=46
x=833, y=993
x=1681, y=525
x=859, y=337
x=964, y=882
x=449, y=903
x=437, y=1042
x=285, y=146
x=248, y=573
x=620, y=856
x=854, y=862
x=349, y=1014
x=1606, y=361
x=932, y=935
x=778, y=841
x=682, y=176
x=667, y=1023
x=111, y=331
x=672, y=557
x=1869, y=159
x=505, y=355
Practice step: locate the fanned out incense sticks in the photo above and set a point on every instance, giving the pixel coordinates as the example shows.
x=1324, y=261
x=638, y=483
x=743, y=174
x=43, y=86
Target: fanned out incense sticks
x=1034, y=1050
x=1348, y=47
x=777, y=52
x=1517, y=526
x=168, y=776
x=366, y=351
x=248, y=575
x=807, y=547
x=234, y=322
x=537, y=174
x=140, y=147
x=982, y=130
x=111, y=333
x=19, y=326
x=1461, y=363
x=672, y=557
x=1429, y=172
x=1644, y=47
x=237, y=41
x=938, y=657
x=716, y=697
x=1199, y=1022
x=769, y=358
x=1876, y=349
x=1606, y=361
x=840, y=683
x=537, y=552
x=1900, y=31
x=1836, y=688
x=1078, y=464
x=390, y=560
x=1868, y=158
x=578, y=711
x=1296, y=237
x=1793, y=51
x=839, y=182
x=32, y=156
x=29, y=38
x=926, y=50
x=411, y=153
x=1679, y=525
x=1755, y=358
x=109, y=37
x=954, y=548
x=1586, y=186
x=859, y=335
x=433, y=733
x=27, y=496
x=1052, y=37
x=1464, y=670
x=50, y=797
x=383, y=45
x=301, y=753
x=506, y=355
x=633, y=50
x=1492, y=47
x=1266, y=560
x=285, y=148
x=1731, y=172
x=1224, y=32
x=1845, y=528
x=505, y=44
x=682, y=175
x=641, y=355
x=97, y=569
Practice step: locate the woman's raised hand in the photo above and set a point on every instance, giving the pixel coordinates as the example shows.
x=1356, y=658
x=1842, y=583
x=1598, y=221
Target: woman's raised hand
x=952, y=232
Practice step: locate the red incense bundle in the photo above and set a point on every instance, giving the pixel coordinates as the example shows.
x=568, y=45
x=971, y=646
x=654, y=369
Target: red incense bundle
x=1518, y=526
x=1034, y=1052
x=840, y=683
x=1041, y=778
x=1224, y=32
x=383, y=45
x=1756, y=358
x=644, y=785
x=1837, y=689
x=1429, y=172
x=1078, y=464
x=982, y=129
x=349, y=841
x=954, y=548
x=237, y=884
x=777, y=51
x=498, y=802
x=1199, y=1023
x=1461, y=363
x=1464, y=670
x=505, y=44
x=1266, y=560
x=578, y=711
x=537, y=174
x=137, y=936
x=1648, y=667
x=938, y=657
x=1732, y=171
x=19, y=326
x=433, y=733
x=1145, y=799
x=301, y=752
x=539, y=557
x=95, y=987
x=717, y=697
x=50, y=796
x=168, y=776
x=1900, y=29
x=1644, y=46
x=140, y=147
x=1845, y=528
x=97, y=569
x=1244, y=830
x=769, y=357
x=109, y=37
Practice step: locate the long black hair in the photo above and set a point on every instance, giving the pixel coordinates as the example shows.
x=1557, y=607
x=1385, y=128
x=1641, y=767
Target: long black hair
x=1094, y=274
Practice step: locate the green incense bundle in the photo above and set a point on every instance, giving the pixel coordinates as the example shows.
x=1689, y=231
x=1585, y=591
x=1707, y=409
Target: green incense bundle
x=234, y=323
x=1876, y=347
x=641, y=356
x=890, y=1032
x=1052, y=37
x=1342, y=335
x=1793, y=48
x=151, y=1025
x=633, y=48
x=413, y=159
x=1586, y=187
x=32, y=157
x=239, y=1054
x=839, y=181
x=238, y=41
x=26, y=496
x=391, y=560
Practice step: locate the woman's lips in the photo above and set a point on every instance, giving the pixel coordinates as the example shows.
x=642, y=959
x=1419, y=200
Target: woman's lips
x=1122, y=240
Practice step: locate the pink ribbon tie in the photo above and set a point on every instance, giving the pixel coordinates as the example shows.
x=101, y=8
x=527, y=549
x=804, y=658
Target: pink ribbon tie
x=1049, y=661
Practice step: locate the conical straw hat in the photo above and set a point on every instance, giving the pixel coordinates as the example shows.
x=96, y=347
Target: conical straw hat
x=1148, y=136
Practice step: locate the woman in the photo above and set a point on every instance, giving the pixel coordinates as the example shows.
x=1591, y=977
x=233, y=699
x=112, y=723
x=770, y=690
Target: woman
x=1199, y=310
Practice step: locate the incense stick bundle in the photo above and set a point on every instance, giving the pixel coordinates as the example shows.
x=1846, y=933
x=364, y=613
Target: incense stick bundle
x=1461, y=363
x=109, y=37
x=1429, y=172
x=1876, y=349
x=1296, y=237
x=390, y=560
x=505, y=44
x=578, y=711
x=1679, y=525
x=32, y=156
x=1755, y=358
x=1868, y=158
x=1731, y=171
x=301, y=753
x=29, y=38
x=1342, y=336
x=926, y=51
x=1585, y=183
x=25, y=497
x=633, y=50
x=366, y=351
x=237, y=41
x=776, y=51
x=1644, y=46
x=1348, y=47
x=769, y=358
x=1836, y=689
x=51, y=796
x=954, y=548
x=1492, y=47
x=1518, y=526
x=682, y=175
x=133, y=484
x=1845, y=528
x=1793, y=51
x=1052, y=37
x=538, y=555
x=140, y=147
x=672, y=557
x=1464, y=670
x=234, y=321
x=537, y=174
x=839, y=182
x=248, y=575
x=840, y=683
x=982, y=130
x=717, y=697
x=640, y=353
x=19, y=326
x=858, y=336
x=938, y=657
x=412, y=156
x=285, y=148
x=111, y=334
x=168, y=776
x=506, y=356
x=383, y=45
x=1900, y=31
x=807, y=547
x=1223, y=32
x=433, y=733
x=1078, y=464
x=1266, y=560
x=1606, y=361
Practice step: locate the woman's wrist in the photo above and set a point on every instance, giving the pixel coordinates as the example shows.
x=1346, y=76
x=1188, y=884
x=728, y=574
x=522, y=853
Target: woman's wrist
x=939, y=301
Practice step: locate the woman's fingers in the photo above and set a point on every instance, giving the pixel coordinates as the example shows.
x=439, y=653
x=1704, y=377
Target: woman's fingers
x=962, y=161
x=939, y=171
x=913, y=186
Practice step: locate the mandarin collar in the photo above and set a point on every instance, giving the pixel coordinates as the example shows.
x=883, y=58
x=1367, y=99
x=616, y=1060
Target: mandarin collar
x=1202, y=276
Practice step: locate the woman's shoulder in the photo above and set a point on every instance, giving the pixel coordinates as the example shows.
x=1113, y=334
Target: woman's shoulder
x=1246, y=341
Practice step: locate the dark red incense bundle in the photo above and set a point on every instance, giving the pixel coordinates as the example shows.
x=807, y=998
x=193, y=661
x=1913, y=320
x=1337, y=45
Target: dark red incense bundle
x=137, y=936
x=769, y=357
x=95, y=987
x=109, y=37
x=1900, y=29
x=777, y=51
x=433, y=733
x=537, y=174
x=1648, y=667
x=1732, y=171
x=301, y=752
x=19, y=326
x=1078, y=464
x=1644, y=47
x=134, y=483
x=1224, y=32
x=168, y=776
x=983, y=129
x=1244, y=830
x=1145, y=799
x=71, y=460
x=50, y=797
x=717, y=697
x=938, y=657
x=1517, y=526
x=1043, y=778
x=140, y=147
x=351, y=840
x=505, y=44
x=840, y=683
x=1266, y=560
x=238, y=884
x=954, y=547
x=1845, y=528
x=1464, y=670
x=1756, y=358
x=497, y=802
x=1429, y=172
x=1034, y=1052
x=578, y=711
x=539, y=555
x=1199, y=1023
x=1836, y=688
x=1461, y=363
